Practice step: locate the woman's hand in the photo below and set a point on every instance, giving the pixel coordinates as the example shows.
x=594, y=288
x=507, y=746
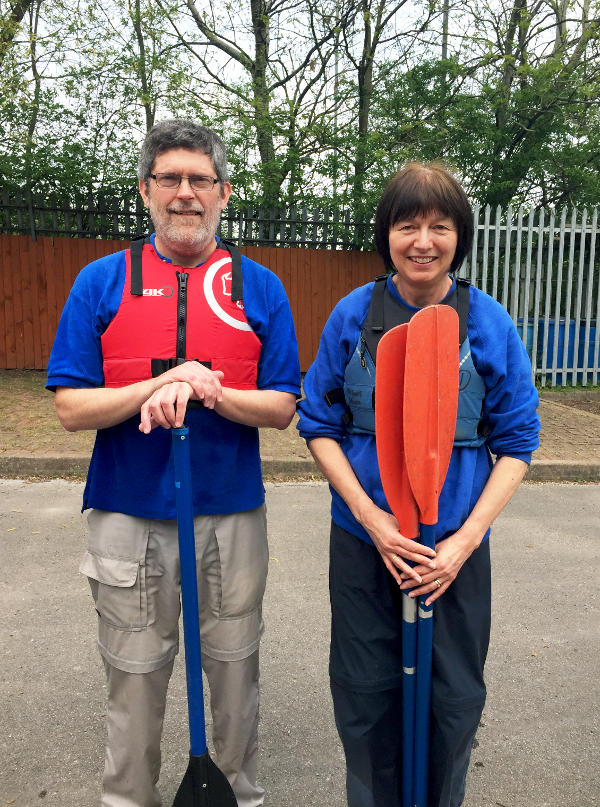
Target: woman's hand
x=395, y=549
x=452, y=553
x=381, y=526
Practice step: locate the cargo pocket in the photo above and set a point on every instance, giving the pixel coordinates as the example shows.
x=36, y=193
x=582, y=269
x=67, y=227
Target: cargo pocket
x=243, y=563
x=119, y=590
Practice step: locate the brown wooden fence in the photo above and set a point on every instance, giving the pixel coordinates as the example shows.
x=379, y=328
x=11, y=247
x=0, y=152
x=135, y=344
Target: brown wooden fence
x=36, y=276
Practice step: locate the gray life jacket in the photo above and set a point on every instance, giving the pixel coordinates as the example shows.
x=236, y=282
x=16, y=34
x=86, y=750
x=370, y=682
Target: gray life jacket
x=358, y=392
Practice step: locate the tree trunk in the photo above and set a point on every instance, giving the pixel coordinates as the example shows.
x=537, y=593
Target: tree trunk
x=365, y=93
x=9, y=25
x=142, y=72
x=270, y=176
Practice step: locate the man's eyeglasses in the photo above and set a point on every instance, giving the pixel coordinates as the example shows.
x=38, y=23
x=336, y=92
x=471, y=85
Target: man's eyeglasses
x=172, y=181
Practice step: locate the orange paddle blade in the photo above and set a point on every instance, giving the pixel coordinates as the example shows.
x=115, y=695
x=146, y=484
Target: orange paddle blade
x=389, y=429
x=430, y=403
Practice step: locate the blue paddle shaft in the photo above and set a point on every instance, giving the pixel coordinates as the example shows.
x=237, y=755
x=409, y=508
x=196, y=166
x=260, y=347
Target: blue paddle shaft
x=409, y=660
x=189, y=588
x=423, y=684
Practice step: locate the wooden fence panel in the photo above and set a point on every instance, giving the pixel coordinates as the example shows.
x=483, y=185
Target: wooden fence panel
x=6, y=328
x=541, y=265
x=22, y=303
x=36, y=277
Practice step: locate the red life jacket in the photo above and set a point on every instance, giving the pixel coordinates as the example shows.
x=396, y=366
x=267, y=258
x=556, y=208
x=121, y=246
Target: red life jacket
x=179, y=314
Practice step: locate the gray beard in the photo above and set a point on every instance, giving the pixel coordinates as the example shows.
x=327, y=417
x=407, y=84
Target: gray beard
x=189, y=239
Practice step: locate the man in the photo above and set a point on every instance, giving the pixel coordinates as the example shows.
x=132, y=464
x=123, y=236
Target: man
x=172, y=319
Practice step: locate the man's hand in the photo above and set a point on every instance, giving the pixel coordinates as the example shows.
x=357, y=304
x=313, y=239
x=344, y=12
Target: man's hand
x=166, y=407
x=205, y=383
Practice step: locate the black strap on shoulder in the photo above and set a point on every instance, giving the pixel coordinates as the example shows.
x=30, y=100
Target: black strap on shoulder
x=462, y=307
x=135, y=252
x=137, y=283
x=372, y=332
x=377, y=303
x=237, y=281
x=385, y=312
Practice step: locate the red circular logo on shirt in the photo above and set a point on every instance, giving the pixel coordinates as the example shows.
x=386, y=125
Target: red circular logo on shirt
x=217, y=290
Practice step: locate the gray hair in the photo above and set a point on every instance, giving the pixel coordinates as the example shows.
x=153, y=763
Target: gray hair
x=179, y=133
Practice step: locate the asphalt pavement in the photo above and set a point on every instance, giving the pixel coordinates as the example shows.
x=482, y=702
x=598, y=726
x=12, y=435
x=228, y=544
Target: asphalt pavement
x=538, y=744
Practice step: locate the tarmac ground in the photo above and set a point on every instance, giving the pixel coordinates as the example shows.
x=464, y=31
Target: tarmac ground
x=538, y=744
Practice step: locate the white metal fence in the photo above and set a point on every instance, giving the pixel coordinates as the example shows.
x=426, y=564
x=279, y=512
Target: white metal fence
x=541, y=265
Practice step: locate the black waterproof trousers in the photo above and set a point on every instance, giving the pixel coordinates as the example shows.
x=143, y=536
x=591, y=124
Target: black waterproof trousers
x=366, y=673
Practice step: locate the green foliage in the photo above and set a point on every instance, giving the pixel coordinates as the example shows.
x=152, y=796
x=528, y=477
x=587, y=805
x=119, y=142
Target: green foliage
x=514, y=108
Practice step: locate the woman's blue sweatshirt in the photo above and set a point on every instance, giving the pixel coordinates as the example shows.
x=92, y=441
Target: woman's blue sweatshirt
x=509, y=407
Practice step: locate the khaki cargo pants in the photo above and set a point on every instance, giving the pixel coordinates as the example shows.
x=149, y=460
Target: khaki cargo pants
x=133, y=568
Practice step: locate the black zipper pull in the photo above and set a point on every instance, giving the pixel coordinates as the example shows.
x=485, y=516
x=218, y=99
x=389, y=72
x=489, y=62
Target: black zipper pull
x=363, y=346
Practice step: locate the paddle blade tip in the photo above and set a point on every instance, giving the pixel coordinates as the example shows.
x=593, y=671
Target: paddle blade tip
x=204, y=785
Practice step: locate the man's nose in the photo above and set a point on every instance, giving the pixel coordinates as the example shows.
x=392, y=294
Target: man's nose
x=185, y=189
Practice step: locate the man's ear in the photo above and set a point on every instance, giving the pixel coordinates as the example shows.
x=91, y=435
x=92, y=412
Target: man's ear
x=143, y=188
x=225, y=194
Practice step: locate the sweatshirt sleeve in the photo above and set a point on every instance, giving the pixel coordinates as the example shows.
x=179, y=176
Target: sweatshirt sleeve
x=511, y=401
x=76, y=356
x=279, y=365
x=338, y=341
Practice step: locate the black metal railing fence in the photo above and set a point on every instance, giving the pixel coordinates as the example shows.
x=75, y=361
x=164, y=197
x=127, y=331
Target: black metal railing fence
x=124, y=217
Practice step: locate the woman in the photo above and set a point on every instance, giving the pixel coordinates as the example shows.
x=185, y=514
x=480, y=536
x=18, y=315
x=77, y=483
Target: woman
x=423, y=230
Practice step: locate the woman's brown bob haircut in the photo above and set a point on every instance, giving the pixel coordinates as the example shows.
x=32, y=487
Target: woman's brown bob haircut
x=418, y=189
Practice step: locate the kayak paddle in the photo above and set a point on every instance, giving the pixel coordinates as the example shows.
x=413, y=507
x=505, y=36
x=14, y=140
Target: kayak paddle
x=389, y=434
x=204, y=784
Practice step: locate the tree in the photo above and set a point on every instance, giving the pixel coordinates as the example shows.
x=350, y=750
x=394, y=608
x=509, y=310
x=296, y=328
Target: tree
x=319, y=103
x=515, y=113
x=10, y=20
x=272, y=66
x=543, y=73
x=83, y=77
x=374, y=18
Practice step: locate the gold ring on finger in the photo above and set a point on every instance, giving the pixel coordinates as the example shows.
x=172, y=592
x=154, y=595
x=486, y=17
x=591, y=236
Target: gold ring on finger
x=438, y=582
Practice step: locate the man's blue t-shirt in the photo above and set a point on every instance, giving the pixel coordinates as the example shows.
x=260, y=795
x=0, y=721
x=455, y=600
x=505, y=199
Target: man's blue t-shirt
x=131, y=472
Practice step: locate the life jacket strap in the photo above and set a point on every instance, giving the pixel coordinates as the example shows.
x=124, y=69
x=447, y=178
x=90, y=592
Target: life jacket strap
x=237, y=281
x=160, y=366
x=135, y=252
x=377, y=303
x=335, y=396
x=137, y=282
x=462, y=307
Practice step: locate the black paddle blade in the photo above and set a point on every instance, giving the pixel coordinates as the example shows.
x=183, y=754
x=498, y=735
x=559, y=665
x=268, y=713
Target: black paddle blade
x=204, y=785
